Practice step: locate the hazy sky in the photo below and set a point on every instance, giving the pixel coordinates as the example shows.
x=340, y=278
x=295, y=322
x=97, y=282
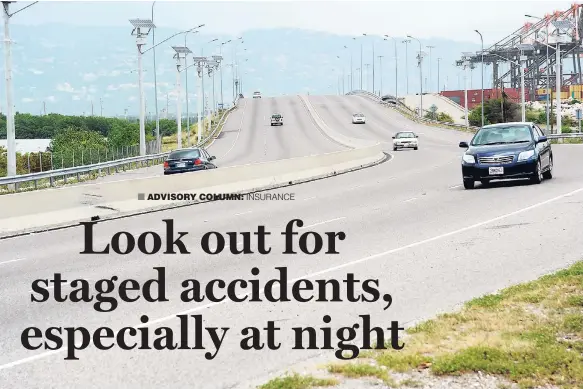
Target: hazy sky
x=424, y=19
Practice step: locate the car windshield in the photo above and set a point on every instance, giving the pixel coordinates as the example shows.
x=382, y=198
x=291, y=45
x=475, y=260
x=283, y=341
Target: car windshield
x=179, y=154
x=276, y=116
x=405, y=135
x=502, y=135
x=358, y=115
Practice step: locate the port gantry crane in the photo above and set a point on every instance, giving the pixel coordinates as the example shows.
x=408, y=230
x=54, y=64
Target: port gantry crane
x=564, y=27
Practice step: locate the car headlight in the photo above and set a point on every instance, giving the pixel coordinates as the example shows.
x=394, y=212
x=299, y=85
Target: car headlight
x=525, y=155
x=467, y=158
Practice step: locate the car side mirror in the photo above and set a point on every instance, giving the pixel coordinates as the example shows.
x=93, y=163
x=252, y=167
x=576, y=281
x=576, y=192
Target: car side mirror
x=542, y=139
x=393, y=137
x=464, y=145
x=212, y=157
x=416, y=136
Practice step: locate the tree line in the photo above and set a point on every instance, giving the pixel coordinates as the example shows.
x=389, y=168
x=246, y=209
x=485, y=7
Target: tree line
x=30, y=126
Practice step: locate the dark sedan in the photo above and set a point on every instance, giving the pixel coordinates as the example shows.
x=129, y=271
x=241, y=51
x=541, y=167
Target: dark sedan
x=507, y=151
x=188, y=160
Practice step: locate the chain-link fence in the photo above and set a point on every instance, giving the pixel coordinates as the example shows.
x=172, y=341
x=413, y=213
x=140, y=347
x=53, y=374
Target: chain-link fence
x=44, y=161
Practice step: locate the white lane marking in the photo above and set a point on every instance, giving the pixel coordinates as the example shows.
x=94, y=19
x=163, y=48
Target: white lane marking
x=455, y=186
x=411, y=199
x=13, y=260
x=242, y=213
x=310, y=198
x=355, y=187
x=324, y=222
x=240, y=129
x=312, y=275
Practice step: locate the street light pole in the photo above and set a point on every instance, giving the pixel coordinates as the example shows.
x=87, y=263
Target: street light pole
x=420, y=63
x=547, y=71
x=158, y=139
x=430, y=50
x=139, y=26
x=184, y=51
x=406, y=42
x=381, y=67
x=482, y=97
x=438, y=84
x=10, y=127
x=396, y=66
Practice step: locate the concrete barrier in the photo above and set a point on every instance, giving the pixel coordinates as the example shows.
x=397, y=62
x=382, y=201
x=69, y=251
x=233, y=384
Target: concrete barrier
x=35, y=211
x=334, y=135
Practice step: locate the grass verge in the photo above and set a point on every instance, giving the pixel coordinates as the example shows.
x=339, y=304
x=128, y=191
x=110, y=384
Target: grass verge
x=296, y=381
x=531, y=334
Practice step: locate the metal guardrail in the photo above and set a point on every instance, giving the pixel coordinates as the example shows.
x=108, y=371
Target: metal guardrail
x=413, y=116
x=79, y=171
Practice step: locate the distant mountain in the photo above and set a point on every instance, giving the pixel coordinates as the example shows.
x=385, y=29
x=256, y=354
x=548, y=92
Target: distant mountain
x=65, y=68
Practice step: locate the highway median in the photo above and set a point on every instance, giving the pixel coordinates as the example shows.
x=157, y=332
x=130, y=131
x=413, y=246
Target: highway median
x=30, y=212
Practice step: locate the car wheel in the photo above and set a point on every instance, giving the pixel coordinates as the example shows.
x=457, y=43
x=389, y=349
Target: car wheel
x=469, y=184
x=549, y=173
x=538, y=175
x=415, y=148
x=485, y=182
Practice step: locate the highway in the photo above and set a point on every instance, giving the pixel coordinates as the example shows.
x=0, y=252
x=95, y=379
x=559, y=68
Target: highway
x=408, y=222
x=247, y=137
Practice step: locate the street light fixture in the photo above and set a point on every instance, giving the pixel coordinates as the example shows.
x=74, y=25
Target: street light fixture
x=181, y=53
x=419, y=63
x=142, y=28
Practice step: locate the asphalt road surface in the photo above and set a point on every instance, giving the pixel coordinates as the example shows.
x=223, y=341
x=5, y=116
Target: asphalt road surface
x=248, y=137
x=408, y=223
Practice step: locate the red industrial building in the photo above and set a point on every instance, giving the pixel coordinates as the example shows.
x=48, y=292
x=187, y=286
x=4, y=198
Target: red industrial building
x=475, y=95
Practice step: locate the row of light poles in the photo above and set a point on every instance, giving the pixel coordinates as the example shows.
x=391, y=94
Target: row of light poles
x=142, y=27
x=420, y=58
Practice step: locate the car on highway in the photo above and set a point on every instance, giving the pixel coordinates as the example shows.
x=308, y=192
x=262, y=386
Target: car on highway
x=188, y=160
x=517, y=150
x=405, y=140
x=276, y=119
x=358, y=118
x=256, y=95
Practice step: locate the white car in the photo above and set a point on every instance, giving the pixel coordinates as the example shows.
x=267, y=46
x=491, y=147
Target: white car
x=256, y=95
x=358, y=118
x=405, y=140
